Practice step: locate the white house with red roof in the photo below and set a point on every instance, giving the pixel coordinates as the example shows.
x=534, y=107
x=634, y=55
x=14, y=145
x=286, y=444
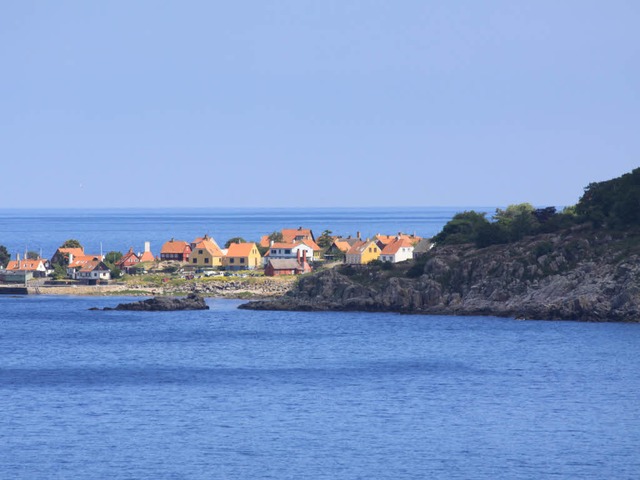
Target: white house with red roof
x=398, y=250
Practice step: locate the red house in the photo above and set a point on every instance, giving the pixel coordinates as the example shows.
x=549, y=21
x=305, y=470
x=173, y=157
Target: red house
x=287, y=266
x=128, y=260
x=175, y=250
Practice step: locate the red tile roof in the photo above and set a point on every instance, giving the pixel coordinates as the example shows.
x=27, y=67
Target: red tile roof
x=395, y=246
x=175, y=246
x=28, y=264
x=241, y=249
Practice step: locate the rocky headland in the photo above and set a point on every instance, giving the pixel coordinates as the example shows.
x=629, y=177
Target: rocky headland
x=579, y=274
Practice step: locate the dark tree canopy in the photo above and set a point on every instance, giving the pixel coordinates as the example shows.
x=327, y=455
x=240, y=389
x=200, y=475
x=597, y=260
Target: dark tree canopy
x=275, y=237
x=234, y=240
x=4, y=256
x=71, y=243
x=112, y=257
x=614, y=203
x=325, y=239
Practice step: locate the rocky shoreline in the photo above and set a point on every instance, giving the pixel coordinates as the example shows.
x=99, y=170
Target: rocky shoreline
x=580, y=274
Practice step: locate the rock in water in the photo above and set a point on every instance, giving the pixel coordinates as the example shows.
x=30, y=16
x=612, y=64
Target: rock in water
x=166, y=304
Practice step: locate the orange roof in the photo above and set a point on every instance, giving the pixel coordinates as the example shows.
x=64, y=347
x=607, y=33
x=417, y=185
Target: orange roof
x=92, y=265
x=290, y=234
x=310, y=243
x=342, y=245
x=28, y=264
x=264, y=241
x=174, y=246
x=393, y=247
x=76, y=252
x=386, y=239
x=211, y=246
x=81, y=260
x=147, y=257
x=358, y=247
x=241, y=249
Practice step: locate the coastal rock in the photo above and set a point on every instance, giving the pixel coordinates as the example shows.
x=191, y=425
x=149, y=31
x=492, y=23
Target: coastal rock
x=583, y=278
x=165, y=304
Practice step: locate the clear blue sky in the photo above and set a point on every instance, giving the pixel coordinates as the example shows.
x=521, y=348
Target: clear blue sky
x=324, y=103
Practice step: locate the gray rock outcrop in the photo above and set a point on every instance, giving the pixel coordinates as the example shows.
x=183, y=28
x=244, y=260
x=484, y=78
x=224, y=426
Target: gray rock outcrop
x=578, y=275
x=165, y=304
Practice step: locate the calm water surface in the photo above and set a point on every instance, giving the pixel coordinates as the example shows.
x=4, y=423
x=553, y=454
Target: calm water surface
x=235, y=394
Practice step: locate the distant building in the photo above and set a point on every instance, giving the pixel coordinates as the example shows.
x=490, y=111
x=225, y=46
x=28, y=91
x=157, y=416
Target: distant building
x=178, y=250
x=396, y=251
x=242, y=256
x=287, y=266
x=205, y=252
x=362, y=253
x=94, y=273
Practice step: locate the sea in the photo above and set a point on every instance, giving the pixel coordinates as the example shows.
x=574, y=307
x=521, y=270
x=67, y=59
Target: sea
x=238, y=394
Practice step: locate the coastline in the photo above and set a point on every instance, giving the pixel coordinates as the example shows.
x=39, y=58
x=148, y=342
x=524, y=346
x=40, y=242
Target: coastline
x=262, y=288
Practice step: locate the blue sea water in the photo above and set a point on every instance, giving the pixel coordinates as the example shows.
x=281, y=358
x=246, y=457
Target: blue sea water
x=236, y=394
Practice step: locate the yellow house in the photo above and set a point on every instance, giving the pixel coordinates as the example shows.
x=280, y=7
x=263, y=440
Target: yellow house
x=205, y=253
x=242, y=256
x=363, y=252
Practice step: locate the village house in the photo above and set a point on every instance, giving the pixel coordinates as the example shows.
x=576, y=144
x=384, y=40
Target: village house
x=77, y=263
x=178, y=250
x=383, y=240
x=128, y=261
x=279, y=250
x=205, y=253
x=242, y=256
x=63, y=255
x=36, y=267
x=287, y=266
x=290, y=235
x=396, y=251
x=422, y=247
x=93, y=273
x=362, y=252
x=337, y=249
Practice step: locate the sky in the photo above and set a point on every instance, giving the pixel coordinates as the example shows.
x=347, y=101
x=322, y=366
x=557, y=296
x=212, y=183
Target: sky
x=315, y=103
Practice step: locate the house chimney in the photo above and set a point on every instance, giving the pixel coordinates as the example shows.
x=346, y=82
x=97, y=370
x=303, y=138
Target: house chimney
x=304, y=257
x=70, y=257
x=271, y=243
x=298, y=255
x=358, y=234
x=147, y=246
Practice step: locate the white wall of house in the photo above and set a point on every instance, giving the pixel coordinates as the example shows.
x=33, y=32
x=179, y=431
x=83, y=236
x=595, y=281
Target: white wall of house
x=404, y=253
x=292, y=252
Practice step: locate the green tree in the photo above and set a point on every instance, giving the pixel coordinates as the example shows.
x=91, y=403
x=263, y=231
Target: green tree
x=234, y=240
x=275, y=237
x=518, y=220
x=613, y=203
x=71, y=243
x=462, y=228
x=31, y=255
x=112, y=257
x=59, y=272
x=4, y=256
x=325, y=239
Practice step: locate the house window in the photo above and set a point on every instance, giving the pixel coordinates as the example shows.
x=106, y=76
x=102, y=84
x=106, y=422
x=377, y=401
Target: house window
x=195, y=260
x=232, y=260
x=200, y=252
x=206, y=260
x=287, y=252
x=242, y=260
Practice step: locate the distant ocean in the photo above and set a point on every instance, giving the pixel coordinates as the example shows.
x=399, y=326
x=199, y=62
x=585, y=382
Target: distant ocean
x=43, y=230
